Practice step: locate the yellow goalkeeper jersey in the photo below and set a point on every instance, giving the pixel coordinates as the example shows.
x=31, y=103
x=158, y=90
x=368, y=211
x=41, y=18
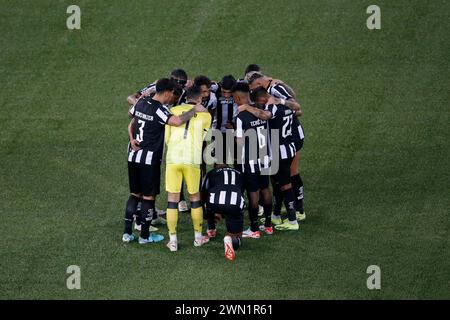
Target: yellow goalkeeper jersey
x=184, y=143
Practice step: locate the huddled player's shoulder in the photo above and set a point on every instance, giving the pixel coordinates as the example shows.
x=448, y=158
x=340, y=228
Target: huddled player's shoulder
x=177, y=110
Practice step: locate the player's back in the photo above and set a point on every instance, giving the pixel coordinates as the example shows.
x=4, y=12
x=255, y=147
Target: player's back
x=184, y=143
x=226, y=176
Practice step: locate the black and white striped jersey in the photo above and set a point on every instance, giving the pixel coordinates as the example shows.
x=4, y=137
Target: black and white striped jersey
x=149, y=88
x=181, y=99
x=151, y=117
x=223, y=187
x=211, y=102
x=282, y=119
x=280, y=91
x=226, y=112
x=256, y=152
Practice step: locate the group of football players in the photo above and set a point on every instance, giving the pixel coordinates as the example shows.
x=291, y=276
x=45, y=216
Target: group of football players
x=246, y=129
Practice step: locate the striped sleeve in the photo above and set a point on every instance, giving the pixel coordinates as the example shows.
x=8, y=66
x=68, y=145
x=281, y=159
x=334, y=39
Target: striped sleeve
x=212, y=103
x=280, y=91
x=163, y=114
x=148, y=89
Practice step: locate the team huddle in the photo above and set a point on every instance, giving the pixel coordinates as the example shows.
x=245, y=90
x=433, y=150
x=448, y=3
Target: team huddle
x=247, y=131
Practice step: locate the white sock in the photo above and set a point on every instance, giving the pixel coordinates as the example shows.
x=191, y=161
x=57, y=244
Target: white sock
x=293, y=222
x=173, y=237
x=276, y=217
x=198, y=235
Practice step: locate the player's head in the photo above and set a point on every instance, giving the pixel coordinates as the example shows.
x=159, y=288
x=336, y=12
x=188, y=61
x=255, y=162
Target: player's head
x=204, y=84
x=252, y=68
x=177, y=92
x=257, y=79
x=194, y=95
x=164, y=90
x=179, y=76
x=259, y=96
x=226, y=85
x=241, y=93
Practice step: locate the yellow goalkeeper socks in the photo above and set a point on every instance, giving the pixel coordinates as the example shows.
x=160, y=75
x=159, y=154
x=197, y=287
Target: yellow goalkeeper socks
x=197, y=218
x=172, y=220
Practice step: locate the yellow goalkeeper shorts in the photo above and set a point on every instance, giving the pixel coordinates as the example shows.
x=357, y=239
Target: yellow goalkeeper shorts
x=176, y=173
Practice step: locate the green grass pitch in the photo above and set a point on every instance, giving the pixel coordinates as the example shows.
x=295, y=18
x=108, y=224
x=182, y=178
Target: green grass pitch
x=375, y=161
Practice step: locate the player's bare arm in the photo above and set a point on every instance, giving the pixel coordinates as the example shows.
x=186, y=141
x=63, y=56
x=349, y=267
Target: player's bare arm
x=288, y=88
x=291, y=104
x=134, y=143
x=177, y=121
x=133, y=98
x=261, y=114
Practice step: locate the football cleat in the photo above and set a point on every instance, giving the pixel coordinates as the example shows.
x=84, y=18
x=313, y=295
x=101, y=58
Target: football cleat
x=229, y=250
x=276, y=221
x=182, y=206
x=127, y=238
x=159, y=220
x=251, y=234
x=153, y=229
x=172, y=245
x=266, y=230
x=154, y=237
x=201, y=241
x=286, y=225
x=300, y=216
x=260, y=210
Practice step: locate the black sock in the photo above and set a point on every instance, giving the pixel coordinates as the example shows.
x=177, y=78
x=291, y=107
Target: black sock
x=137, y=217
x=236, y=241
x=155, y=214
x=289, y=204
x=148, y=208
x=278, y=197
x=130, y=210
x=268, y=214
x=210, y=218
x=297, y=186
x=253, y=213
x=300, y=196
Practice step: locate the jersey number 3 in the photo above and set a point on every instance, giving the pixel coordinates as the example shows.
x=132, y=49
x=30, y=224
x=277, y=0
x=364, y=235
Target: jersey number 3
x=140, y=135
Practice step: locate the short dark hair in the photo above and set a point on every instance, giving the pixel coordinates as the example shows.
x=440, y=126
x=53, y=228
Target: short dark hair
x=252, y=67
x=164, y=84
x=179, y=73
x=177, y=91
x=254, y=76
x=193, y=93
x=241, y=87
x=258, y=92
x=228, y=82
x=202, y=80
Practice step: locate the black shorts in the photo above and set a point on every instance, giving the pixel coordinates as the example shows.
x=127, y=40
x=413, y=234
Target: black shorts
x=298, y=144
x=233, y=214
x=255, y=181
x=283, y=176
x=298, y=141
x=144, y=178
